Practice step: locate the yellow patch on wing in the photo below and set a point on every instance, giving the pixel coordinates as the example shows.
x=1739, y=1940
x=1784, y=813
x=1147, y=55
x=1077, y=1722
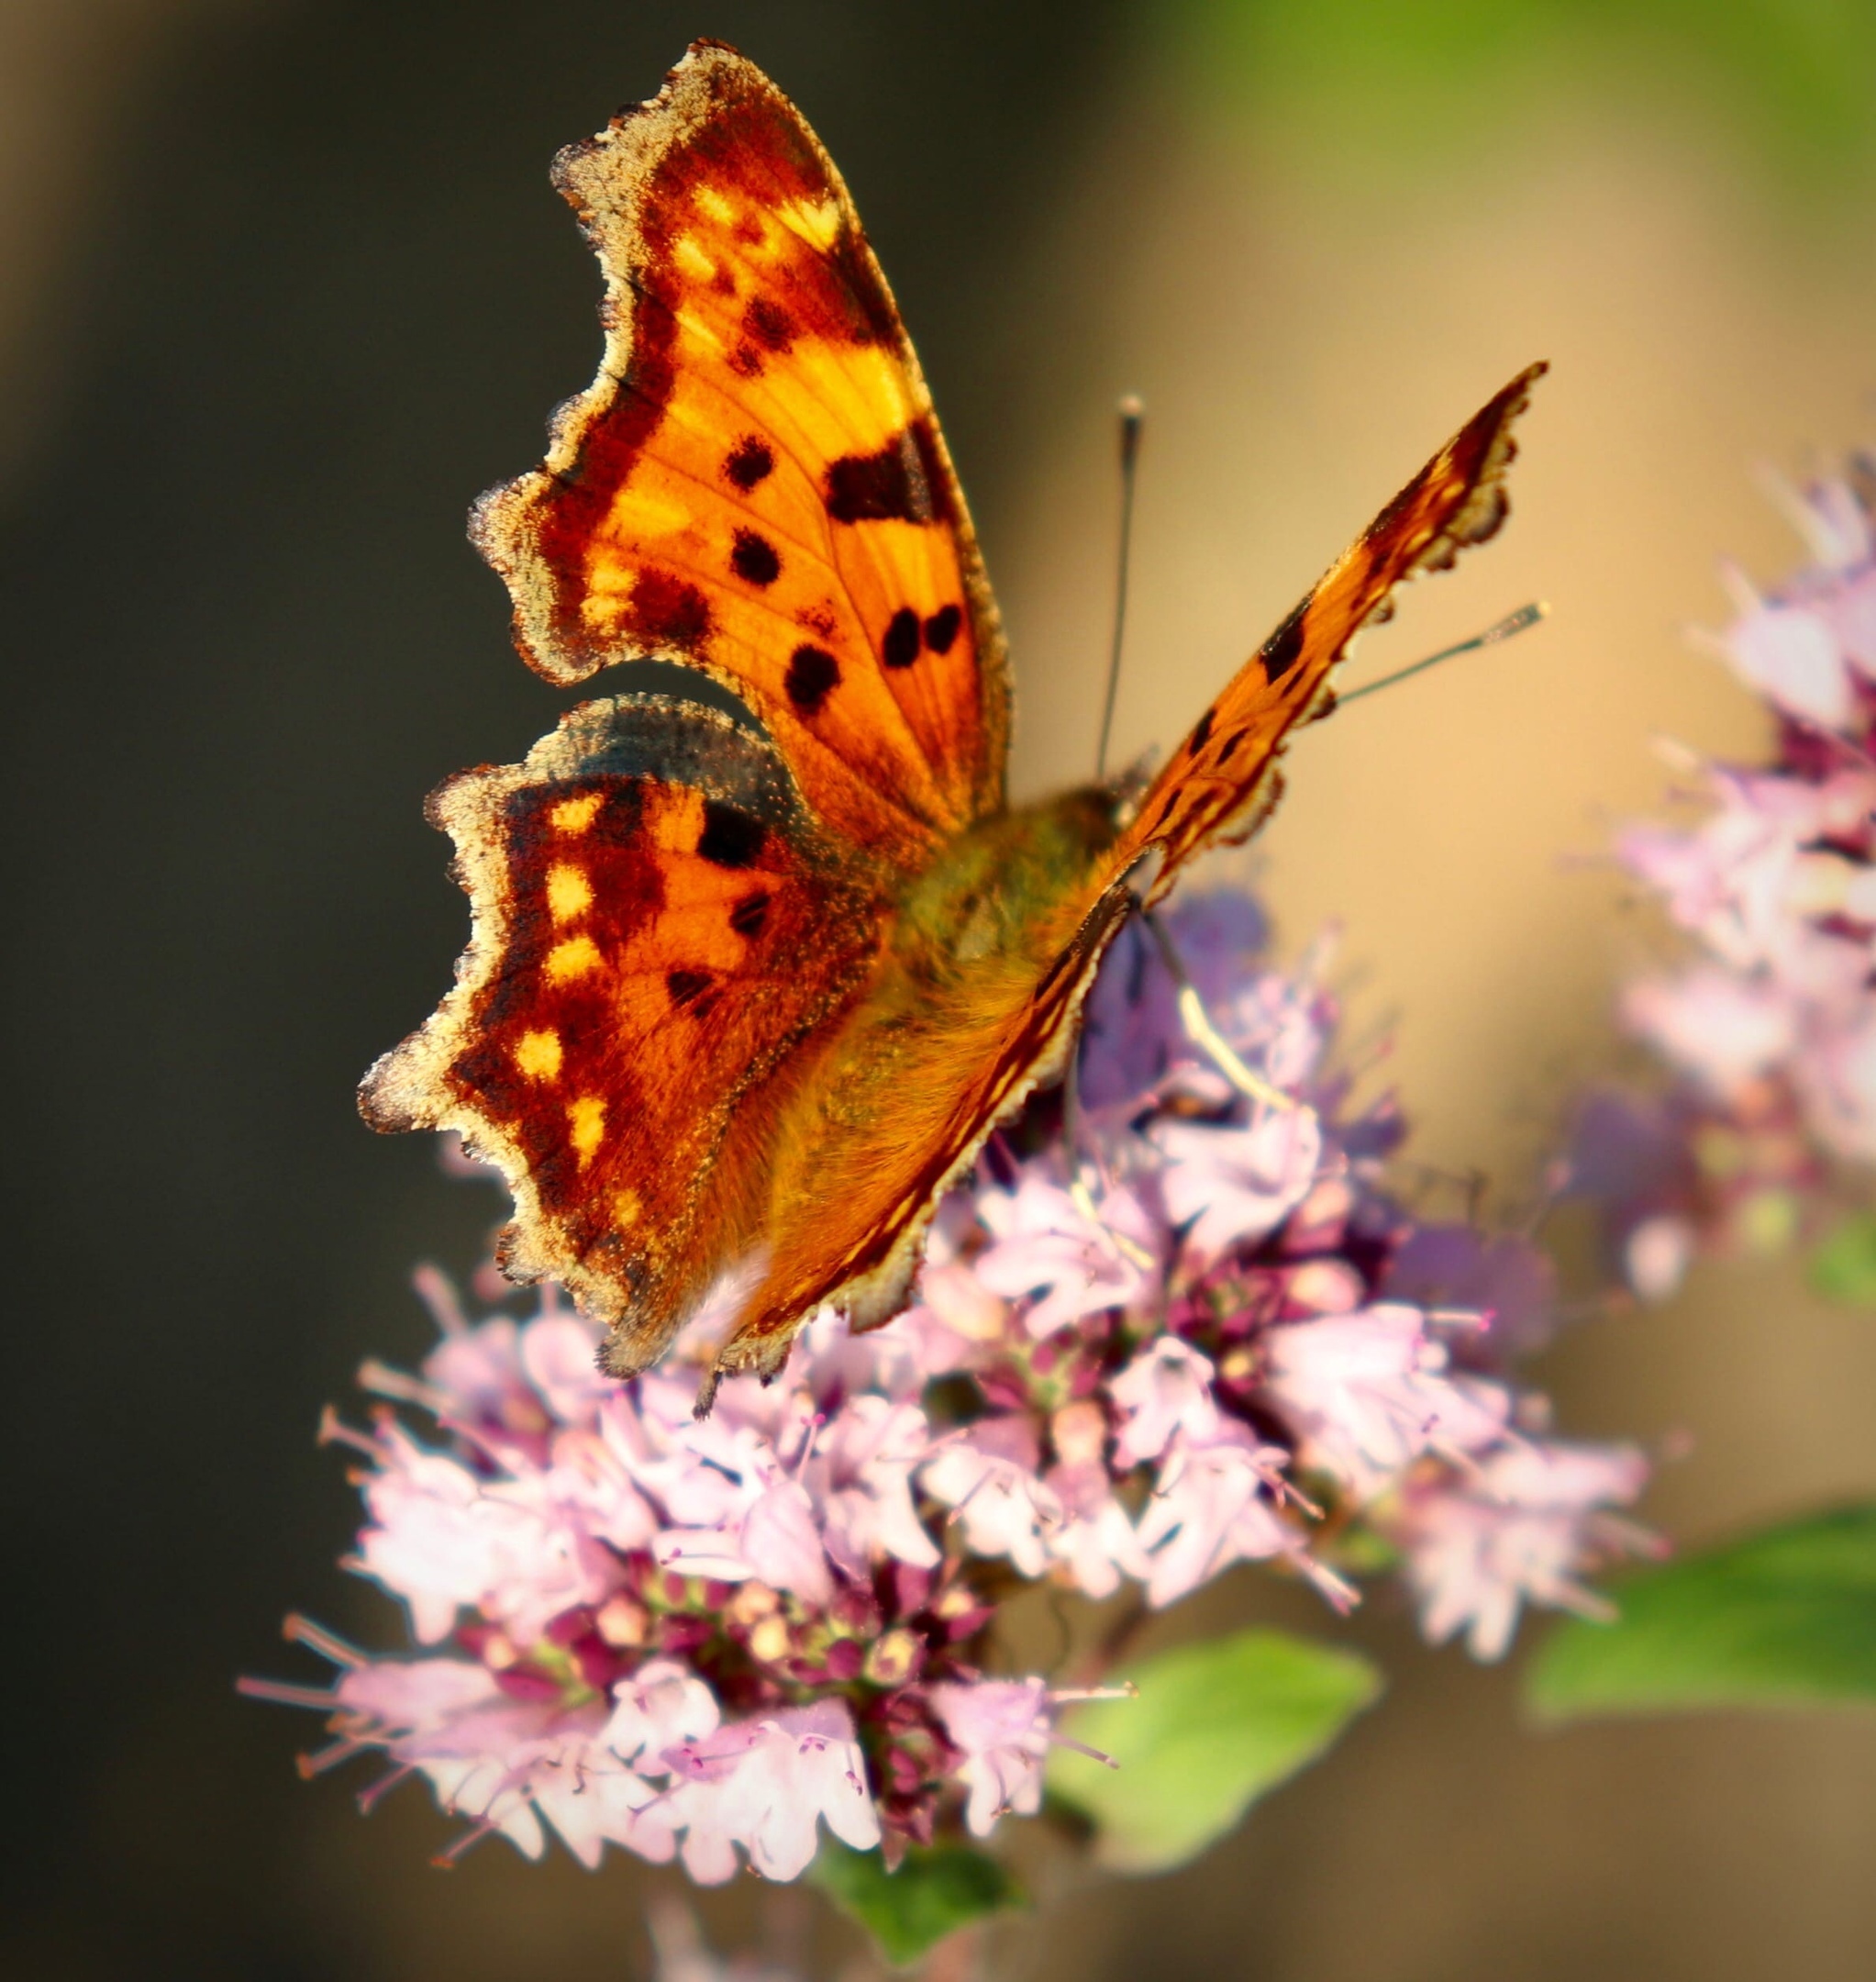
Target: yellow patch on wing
x=692, y=259
x=586, y=1127
x=573, y=959
x=538, y=1054
x=576, y=815
x=569, y=893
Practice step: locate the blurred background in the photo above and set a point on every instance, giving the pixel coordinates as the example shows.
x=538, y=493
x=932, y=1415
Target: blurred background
x=283, y=285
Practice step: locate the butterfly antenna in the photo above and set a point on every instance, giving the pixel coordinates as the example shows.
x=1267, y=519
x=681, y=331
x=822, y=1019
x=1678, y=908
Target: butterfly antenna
x=1511, y=625
x=1133, y=416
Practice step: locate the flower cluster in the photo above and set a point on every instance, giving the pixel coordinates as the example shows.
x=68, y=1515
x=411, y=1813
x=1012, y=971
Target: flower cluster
x=1173, y=1324
x=1203, y=1334
x=1770, y=1028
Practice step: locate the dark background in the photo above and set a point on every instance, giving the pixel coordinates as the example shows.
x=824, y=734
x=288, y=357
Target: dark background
x=304, y=290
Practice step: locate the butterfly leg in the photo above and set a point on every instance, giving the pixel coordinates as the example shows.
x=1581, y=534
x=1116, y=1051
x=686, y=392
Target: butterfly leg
x=1201, y=1032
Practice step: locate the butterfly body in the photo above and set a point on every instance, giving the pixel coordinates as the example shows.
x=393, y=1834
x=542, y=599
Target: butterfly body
x=745, y=994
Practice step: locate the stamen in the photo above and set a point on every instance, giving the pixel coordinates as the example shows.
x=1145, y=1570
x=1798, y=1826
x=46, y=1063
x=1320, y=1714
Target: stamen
x=1080, y=1747
x=373, y=1794
x=381, y=1380
x=433, y=1289
x=448, y=1859
x=278, y=1693
x=334, y=1430
x=330, y=1756
x=298, y=1630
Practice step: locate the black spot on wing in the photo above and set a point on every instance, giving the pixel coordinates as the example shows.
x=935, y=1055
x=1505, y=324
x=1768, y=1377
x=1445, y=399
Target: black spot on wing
x=752, y=557
x=730, y=838
x=686, y=986
x=768, y=324
x=750, y=462
x=1279, y=651
x=942, y=629
x=905, y=481
x=750, y=915
x=666, y=611
x=1200, y=736
x=813, y=674
x=900, y=646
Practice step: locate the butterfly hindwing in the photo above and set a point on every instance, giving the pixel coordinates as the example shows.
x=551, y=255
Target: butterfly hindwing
x=755, y=484
x=658, y=931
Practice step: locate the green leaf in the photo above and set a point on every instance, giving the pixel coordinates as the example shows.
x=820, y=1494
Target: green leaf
x=1216, y=1725
x=935, y=1891
x=1844, y=1266
x=1785, y=1618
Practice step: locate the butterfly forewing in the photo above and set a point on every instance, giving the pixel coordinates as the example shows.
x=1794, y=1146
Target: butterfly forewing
x=1220, y=781
x=755, y=484
x=957, y=1074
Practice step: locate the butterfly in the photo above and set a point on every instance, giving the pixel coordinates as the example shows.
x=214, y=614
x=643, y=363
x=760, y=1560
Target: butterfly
x=746, y=994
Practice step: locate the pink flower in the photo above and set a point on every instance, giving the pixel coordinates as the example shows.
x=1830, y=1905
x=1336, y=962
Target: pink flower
x=988, y=1474
x=1367, y=1394
x=859, y=1478
x=1002, y=1728
x=1723, y=1031
x=1790, y=654
x=1231, y=1185
x=1043, y=1248
x=1214, y=1505
x=1520, y=1529
x=443, y=1538
x=766, y=1785
x=1094, y=1541
x=1167, y=1388
x=503, y=1761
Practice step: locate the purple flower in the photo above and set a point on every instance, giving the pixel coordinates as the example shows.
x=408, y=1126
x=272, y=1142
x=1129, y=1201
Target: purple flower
x=1219, y=1502
x=1771, y=1030
x=1368, y=1394
x=765, y=1785
x=1166, y=1390
x=988, y=1476
x=1001, y=1728
x=1521, y=1527
x=1229, y=1185
x=1045, y=1247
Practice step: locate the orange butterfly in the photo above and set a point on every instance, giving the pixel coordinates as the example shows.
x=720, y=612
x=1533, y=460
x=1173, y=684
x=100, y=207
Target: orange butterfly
x=744, y=997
